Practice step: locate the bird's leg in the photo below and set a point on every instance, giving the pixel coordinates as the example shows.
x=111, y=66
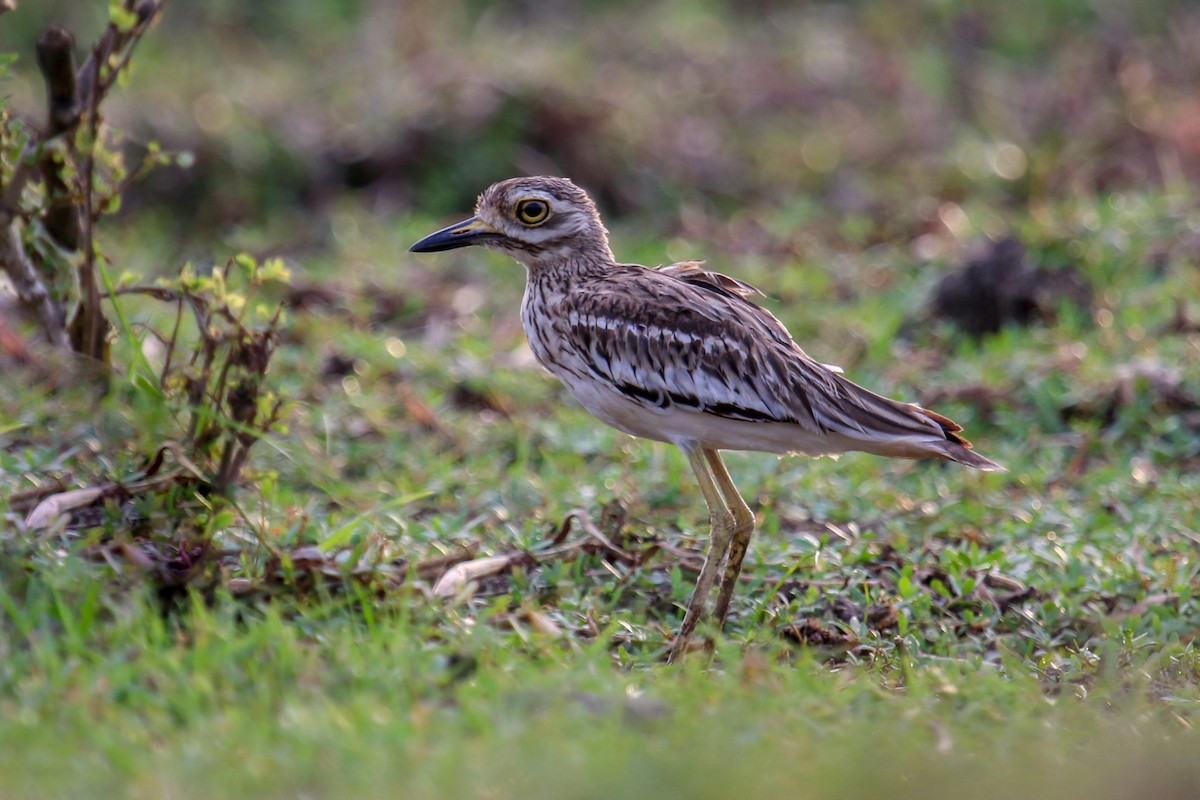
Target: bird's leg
x=722, y=529
x=743, y=529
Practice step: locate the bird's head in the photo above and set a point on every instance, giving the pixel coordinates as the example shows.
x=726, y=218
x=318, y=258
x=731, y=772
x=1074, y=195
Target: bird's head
x=538, y=221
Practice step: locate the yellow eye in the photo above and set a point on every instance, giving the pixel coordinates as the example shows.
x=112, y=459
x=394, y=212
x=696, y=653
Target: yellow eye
x=532, y=211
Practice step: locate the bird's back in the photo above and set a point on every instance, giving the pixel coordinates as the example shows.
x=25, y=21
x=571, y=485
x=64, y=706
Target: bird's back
x=682, y=353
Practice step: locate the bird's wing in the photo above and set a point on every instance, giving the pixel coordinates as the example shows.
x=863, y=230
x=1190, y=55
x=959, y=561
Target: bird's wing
x=693, y=272
x=686, y=337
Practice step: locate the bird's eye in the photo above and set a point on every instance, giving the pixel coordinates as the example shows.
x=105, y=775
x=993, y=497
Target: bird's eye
x=532, y=211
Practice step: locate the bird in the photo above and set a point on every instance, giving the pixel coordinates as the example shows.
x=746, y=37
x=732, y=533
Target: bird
x=684, y=355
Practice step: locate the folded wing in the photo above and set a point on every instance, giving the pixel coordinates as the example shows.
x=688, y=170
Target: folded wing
x=702, y=345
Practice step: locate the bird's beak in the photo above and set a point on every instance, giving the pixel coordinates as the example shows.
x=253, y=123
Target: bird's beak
x=460, y=234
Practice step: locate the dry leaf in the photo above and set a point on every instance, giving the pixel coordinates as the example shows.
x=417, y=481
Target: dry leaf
x=307, y=557
x=46, y=512
x=458, y=576
x=542, y=623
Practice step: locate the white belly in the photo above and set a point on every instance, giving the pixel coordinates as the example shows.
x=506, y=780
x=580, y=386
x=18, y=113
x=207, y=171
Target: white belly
x=685, y=427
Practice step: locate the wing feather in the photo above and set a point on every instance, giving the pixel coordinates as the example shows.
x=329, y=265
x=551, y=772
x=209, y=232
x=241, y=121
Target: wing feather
x=703, y=345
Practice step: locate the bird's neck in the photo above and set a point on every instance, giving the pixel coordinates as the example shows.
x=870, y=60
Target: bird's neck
x=549, y=283
x=569, y=265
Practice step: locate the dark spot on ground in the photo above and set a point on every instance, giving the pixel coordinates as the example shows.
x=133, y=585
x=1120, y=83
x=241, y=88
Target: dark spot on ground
x=814, y=633
x=998, y=286
x=337, y=366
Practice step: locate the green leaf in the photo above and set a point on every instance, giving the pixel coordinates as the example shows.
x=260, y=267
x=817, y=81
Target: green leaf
x=121, y=18
x=273, y=269
x=247, y=263
x=342, y=535
x=222, y=519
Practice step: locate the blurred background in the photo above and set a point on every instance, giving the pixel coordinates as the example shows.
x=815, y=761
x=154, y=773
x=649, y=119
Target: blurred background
x=743, y=124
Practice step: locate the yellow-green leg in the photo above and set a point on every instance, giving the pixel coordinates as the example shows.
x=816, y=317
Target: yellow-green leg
x=743, y=529
x=723, y=525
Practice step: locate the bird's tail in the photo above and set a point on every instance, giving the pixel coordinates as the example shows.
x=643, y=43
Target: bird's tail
x=858, y=419
x=957, y=448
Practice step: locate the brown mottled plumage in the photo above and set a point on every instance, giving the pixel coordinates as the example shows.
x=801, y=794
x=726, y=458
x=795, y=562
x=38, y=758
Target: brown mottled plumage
x=680, y=354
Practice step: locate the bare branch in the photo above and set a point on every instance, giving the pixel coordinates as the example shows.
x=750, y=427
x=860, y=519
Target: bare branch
x=16, y=263
x=89, y=328
x=28, y=283
x=94, y=81
x=71, y=96
x=56, y=60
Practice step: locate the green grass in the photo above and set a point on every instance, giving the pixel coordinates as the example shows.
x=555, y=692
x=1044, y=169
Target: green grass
x=903, y=629
x=332, y=700
x=1076, y=677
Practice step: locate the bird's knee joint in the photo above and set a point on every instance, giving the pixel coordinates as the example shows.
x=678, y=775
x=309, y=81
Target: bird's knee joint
x=743, y=522
x=723, y=521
